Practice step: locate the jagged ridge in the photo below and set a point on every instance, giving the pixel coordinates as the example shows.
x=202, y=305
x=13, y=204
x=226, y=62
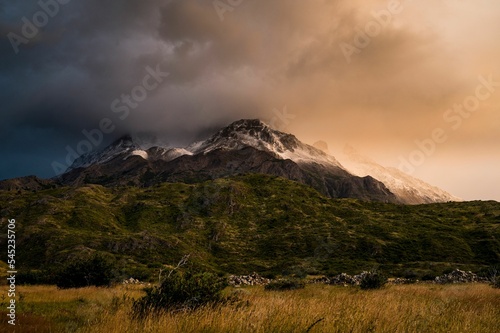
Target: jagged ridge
x=245, y=146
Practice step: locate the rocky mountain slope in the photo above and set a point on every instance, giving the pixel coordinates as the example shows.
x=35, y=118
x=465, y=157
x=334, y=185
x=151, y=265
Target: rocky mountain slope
x=245, y=146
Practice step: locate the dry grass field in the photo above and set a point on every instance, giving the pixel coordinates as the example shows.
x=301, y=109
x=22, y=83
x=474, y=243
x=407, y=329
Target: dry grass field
x=317, y=308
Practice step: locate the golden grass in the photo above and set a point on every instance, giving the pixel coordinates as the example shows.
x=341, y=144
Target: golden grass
x=410, y=308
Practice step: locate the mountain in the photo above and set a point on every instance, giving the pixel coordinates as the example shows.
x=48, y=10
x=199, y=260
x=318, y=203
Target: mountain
x=245, y=146
x=235, y=137
x=146, y=146
x=256, y=134
x=408, y=189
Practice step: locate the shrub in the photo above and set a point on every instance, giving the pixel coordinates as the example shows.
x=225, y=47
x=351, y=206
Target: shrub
x=373, y=280
x=295, y=272
x=495, y=282
x=140, y=273
x=269, y=275
x=34, y=277
x=492, y=273
x=447, y=271
x=285, y=284
x=182, y=291
x=429, y=277
x=410, y=274
x=96, y=270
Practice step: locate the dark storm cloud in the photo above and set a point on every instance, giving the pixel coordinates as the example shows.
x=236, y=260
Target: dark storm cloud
x=92, y=52
x=65, y=78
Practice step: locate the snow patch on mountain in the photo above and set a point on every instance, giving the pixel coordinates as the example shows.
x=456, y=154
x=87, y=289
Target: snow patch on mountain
x=238, y=135
x=166, y=154
x=140, y=153
x=124, y=147
x=255, y=133
x=410, y=189
x=121, y=146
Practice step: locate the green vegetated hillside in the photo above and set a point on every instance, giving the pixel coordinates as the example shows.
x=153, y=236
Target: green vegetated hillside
x=249, y=223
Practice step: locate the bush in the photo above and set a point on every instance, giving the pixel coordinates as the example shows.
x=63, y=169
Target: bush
x=495, y=282
x=96, y=270
x=269, y=275
x=429, y=277
x=140, y=273
x=410, y=274
x=373, y=280
x=34, y=277
x=285, y=284
x=494, y=275
x=295, y=272
x=182, y=291
x=447, y=271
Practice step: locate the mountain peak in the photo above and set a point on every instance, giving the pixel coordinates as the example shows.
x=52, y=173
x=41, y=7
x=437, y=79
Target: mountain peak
x=247, y=132
x=128, y=144
x=142, y=141
x=258, y=135
x=124, y=141
x=248, y=123
x=250, y=127
x=277, y=146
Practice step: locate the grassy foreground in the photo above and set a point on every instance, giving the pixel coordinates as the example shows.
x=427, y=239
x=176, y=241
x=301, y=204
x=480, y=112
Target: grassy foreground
x=409, y=308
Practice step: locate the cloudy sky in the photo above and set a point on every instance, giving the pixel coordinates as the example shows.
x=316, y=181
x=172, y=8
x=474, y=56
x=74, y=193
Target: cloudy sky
x=412, y=84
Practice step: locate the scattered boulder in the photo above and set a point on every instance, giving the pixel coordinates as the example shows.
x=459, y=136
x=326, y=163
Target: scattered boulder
x=253, y=279
x=322, y=279
x=459, y=276
x=401, y=281
x=131, y=281
x=344, y=279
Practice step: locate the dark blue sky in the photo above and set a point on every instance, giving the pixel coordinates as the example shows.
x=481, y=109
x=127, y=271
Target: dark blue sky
x=62, y=80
